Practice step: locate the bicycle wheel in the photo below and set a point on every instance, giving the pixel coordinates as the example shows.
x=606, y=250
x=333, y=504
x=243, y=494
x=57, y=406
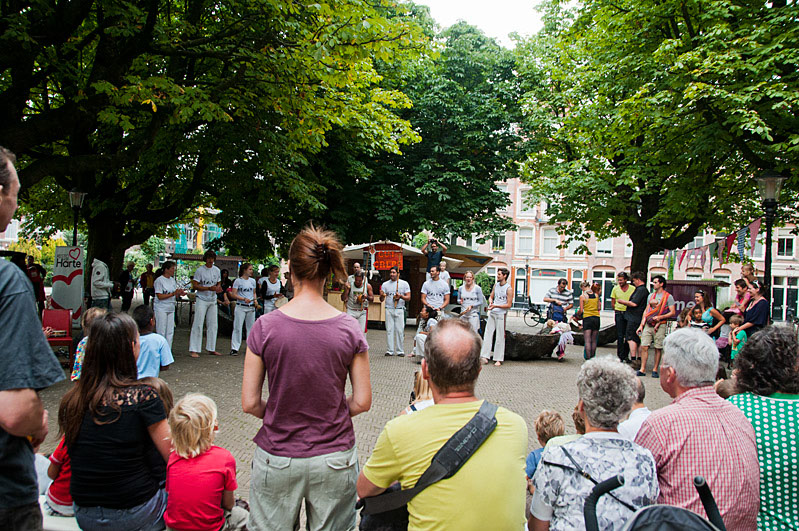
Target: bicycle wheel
x=531, y=318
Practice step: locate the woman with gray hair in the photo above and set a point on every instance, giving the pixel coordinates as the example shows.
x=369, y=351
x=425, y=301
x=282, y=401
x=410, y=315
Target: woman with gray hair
x=567, y=473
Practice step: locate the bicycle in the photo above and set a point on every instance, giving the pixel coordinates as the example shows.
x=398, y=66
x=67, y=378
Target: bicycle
x=535, y=316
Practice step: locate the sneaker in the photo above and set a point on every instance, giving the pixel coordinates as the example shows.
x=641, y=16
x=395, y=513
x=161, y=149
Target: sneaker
x=234, y=352
x=639, y=373
x=388, y=354
x=562, y=355
x=655, y=374
x=401, y=354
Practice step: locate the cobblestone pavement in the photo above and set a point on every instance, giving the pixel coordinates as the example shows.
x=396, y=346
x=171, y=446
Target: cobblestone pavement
x=523, y=387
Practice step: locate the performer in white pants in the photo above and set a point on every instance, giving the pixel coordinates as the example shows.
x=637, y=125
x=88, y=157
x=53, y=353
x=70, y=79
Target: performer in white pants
x=207, y=283
x=270, y=288
x=471, y=299
x=396, y=292
x=358, y=294
x=498, y=304
x=427, y=320
x=166, y=294
x=243, y=293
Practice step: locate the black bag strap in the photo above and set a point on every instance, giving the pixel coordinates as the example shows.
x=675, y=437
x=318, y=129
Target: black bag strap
x=447, y=461
x=580, y=470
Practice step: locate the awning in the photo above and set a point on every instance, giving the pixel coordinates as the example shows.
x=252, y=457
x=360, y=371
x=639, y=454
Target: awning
x=188, y=257
x=469, y=259
x=355, y=252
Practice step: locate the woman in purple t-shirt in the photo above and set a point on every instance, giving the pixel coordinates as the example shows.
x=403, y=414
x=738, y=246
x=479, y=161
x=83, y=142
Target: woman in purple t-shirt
x=306, y=350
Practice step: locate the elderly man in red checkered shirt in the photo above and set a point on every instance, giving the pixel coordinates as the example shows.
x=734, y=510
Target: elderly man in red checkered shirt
x=700, y=434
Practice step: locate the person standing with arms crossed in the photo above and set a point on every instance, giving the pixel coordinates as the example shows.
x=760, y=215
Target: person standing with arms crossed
x=622, y=291
x=398, y=293
x=207, y=282
x=358, y=295
x=498, y=304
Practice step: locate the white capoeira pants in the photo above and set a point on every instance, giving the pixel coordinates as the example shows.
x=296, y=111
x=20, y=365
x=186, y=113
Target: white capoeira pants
x=243, y=317
x=418, y=344
x=395, y=330
x=474, y=321
x=494, y=323
x=360, y=316
x=204, y=314
x=165, y=324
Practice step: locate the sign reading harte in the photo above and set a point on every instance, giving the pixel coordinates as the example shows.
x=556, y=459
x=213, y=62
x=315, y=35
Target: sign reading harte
x=68, y=280
x=387, y=255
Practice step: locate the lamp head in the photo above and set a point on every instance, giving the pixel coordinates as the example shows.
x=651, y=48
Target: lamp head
x=770, y=184
x=76, y=198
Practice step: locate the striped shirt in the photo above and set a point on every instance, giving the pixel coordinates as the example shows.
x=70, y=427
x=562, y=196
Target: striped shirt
x=564, y=298
x=701, y=434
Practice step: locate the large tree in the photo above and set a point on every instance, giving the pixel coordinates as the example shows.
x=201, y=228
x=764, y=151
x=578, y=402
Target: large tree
x=156, y=108
x=641, y=125
x=465, y=108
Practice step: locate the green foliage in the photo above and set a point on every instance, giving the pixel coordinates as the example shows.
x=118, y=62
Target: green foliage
x=465, y=107
x=162, y=107
x=42, y=251
x=485, y=282
x=650, y=119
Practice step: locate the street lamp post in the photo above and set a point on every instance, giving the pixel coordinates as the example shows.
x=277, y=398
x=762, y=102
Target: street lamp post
x=76, y=198
x=770, y=184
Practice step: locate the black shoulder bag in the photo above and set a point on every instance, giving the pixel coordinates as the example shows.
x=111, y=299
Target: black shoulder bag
x=389, y=511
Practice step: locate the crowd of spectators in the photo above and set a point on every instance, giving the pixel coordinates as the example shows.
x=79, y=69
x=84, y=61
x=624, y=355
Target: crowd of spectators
x=132, y=460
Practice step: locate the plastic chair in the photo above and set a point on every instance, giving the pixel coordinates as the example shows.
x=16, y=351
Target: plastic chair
x=59, y=320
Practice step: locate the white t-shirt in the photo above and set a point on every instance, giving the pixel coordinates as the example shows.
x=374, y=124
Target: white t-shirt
x=271, y=289
x=501, y=294
x=207, y=277
x=163, y=286
x=472, y=298
x=390, y=287
x=435, y=290
x=444, y=275
x=245, y=288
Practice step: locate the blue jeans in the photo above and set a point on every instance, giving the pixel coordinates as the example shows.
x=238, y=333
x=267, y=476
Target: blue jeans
x=149, y=516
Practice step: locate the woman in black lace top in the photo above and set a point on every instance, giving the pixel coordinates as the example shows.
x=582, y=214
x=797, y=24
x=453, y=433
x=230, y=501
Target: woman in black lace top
x=110, y=423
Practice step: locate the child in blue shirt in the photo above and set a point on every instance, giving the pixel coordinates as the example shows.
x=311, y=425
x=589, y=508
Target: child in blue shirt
x=154, y=355
x=548, y=424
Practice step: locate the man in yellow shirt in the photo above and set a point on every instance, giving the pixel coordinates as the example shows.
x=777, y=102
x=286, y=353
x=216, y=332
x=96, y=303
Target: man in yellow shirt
x=621, y=292
x=488, y=492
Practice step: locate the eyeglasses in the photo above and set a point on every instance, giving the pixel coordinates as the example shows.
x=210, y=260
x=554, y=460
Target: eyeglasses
x=699, y=291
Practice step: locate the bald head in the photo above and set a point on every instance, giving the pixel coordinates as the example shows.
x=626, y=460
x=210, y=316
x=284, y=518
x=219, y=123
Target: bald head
x=452, y=355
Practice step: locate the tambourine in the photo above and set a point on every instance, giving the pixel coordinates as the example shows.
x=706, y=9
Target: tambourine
x=281, y=302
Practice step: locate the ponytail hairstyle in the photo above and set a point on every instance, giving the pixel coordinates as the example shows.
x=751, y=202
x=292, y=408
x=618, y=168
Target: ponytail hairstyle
x=315, y=253
x=243, y=267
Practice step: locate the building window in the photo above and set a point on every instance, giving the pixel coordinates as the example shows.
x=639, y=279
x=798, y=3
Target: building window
x=503, y=188
x=527, y=203
x=492, y=272
x=785, y=247
x=549, y=242
x=699, y=241
x=605, y=247
x=572, y=246
x=760, y=249
x=525, y=240
x=453, y=240
x=498, y=243
x=628, y=247
x=693, y=276
x=469, y=241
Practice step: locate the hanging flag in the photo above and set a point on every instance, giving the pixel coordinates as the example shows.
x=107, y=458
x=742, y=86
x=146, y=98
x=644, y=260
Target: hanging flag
x=754, y=228
x=703, y=255
x=742, y=242
x=663, y=260
x=668, y=256
x=729, y=242
x=682, y=257
x=720, y=249
x=713, y=249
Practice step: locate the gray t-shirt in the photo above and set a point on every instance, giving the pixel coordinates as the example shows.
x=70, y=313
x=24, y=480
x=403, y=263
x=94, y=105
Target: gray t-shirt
x=435, y=290
x=474, y=298
x=28, y=362
x=390, y=287
x=163, y=286
x=207, y=277
x=245, y=287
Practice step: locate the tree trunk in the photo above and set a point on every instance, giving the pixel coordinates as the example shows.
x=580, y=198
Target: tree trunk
x=640, y=258
x=105, y=234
